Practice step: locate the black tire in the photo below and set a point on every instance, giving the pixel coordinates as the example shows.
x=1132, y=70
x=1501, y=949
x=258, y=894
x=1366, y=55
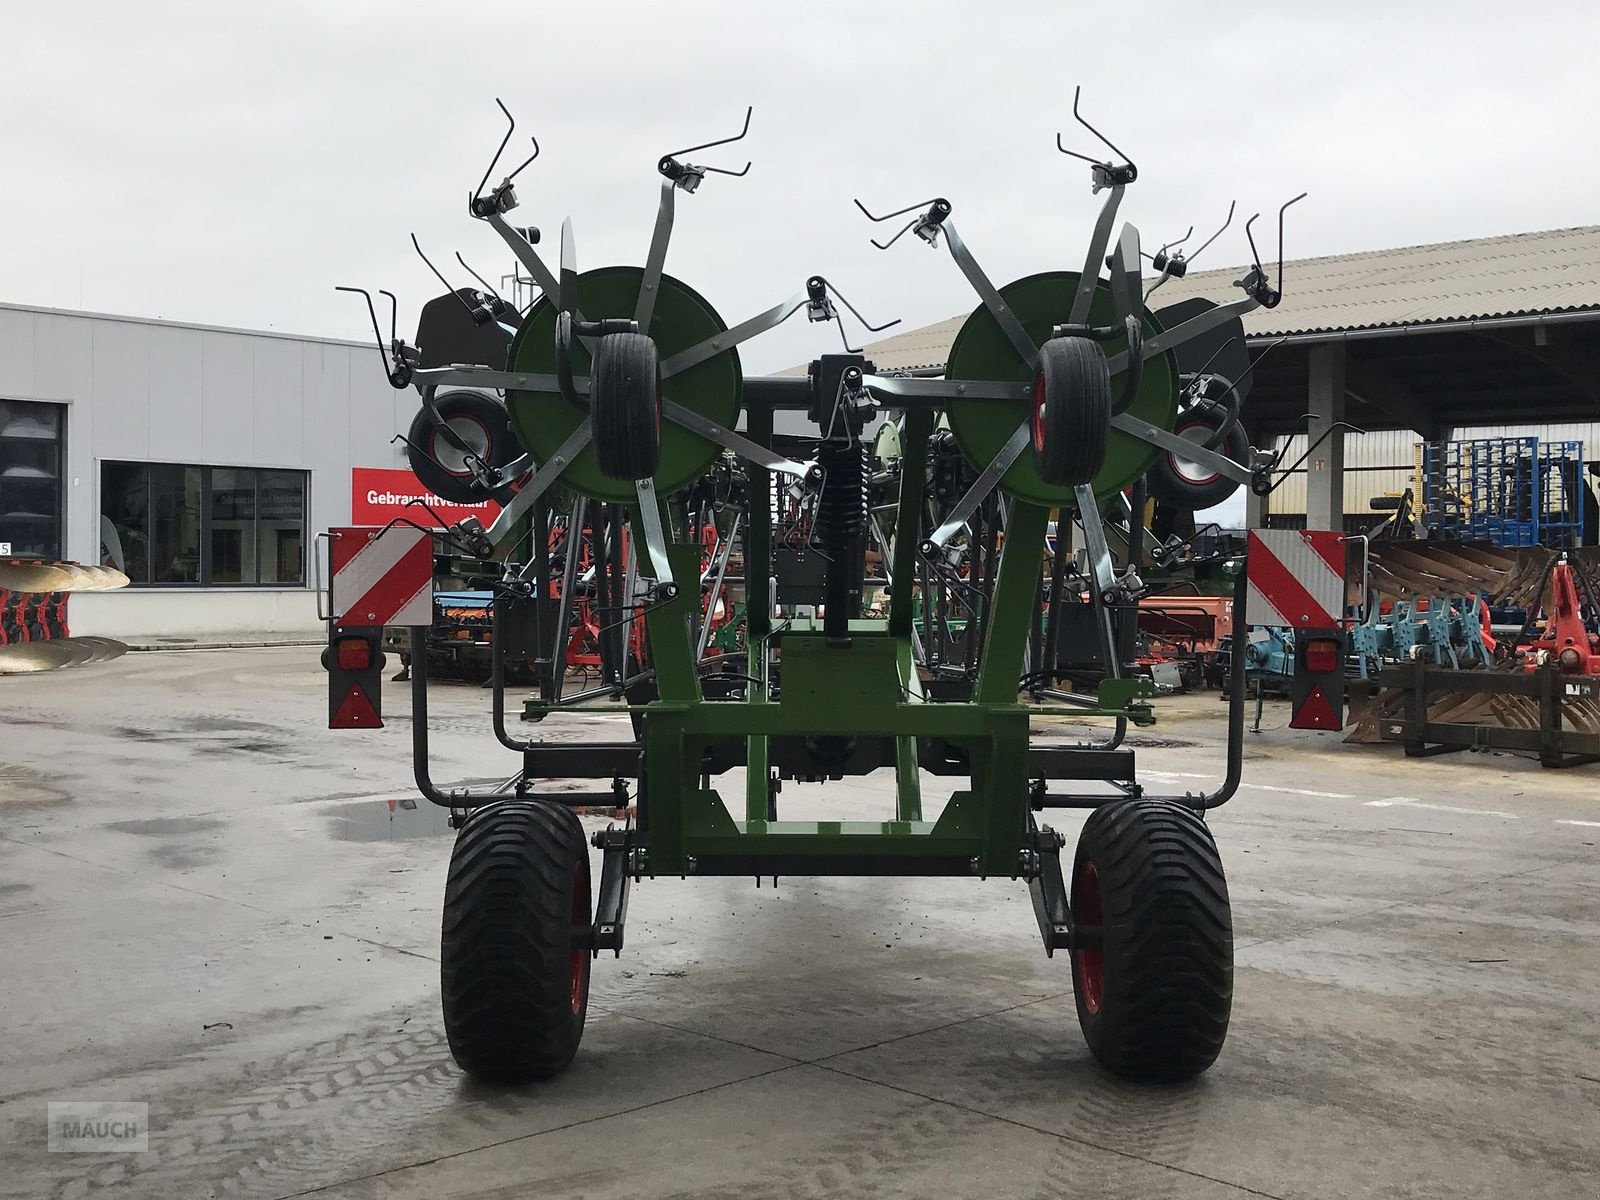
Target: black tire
x=515, y=990
x=625, y=404
x=479, y=420
x=1187, y=485
x=1071, y=411
x=1154, y=999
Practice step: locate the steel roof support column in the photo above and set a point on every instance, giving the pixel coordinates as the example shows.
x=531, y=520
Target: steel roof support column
x=1325, y=468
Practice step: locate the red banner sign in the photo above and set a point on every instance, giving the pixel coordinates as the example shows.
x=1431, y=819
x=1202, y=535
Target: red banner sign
x=379, y=495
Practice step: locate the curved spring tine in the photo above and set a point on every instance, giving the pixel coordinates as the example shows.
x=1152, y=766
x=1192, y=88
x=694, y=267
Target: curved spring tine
x=394, y=313
x=1255, y=255
x=749, y=108
x=885, y=245
x=1076, y=116
x=1215, y=235
x=871, y=328
x=377, y=334
x=511, y=125
x=899, y=212
x=476, y=276
x=1281, y=211
x=417, y=246
x=1165, y=246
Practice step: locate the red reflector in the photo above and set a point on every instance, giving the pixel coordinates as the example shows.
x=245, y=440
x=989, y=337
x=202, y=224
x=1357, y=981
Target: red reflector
x=353, y=654
x=1323, y=655
x=1316, y=712
x=355, y=711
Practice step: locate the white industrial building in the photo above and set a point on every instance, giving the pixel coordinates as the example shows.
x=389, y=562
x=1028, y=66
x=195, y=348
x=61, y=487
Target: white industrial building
x=201, y=460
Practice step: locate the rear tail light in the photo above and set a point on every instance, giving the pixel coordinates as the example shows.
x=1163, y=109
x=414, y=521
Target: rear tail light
x=353, y=654
x=1323, y=654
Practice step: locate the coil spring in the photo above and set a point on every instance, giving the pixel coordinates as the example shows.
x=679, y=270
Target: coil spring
x=842, y=506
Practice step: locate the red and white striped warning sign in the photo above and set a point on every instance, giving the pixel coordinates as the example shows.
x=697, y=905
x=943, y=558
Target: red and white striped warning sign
x=382, y=579
x=1295, y=577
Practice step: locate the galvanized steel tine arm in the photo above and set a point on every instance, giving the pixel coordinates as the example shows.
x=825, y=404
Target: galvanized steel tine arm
x=1094, y=533
x=990, y=295
x=1096, y=256
x=526, y=254
x=461, y=375
x=1192, y=328
x=743, y=332
x=738, y=443
x=655, y=540
x=1191, y=451
x=656, y=260
x=506, y=523
x=981, y=487
x=936, y=390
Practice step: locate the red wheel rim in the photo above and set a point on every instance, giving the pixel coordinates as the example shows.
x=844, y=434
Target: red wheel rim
x=1086, y=910
x=1038, y=412
x=1184, y=468
x=578, y=961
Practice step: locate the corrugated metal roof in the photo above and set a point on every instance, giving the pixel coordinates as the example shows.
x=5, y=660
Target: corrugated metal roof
x=1557, y=270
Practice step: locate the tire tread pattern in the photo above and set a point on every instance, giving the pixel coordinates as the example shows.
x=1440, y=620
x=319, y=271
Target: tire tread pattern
x=1077, y=413
x=1168, y=941
x=506, y=942
x=624, y=405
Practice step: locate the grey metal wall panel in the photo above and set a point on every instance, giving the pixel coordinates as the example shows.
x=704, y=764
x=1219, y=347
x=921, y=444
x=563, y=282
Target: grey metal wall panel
x=275, y=407
x=325, y=422
x=16, y=354
x=177, y=393
x=121, y=390
x=63, y=367
x=227, y=427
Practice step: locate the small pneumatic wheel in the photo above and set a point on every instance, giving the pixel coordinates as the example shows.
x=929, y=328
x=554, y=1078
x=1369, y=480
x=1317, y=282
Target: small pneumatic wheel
x=1071, y=411
x=515, y=987
x=625, y=406
x=1154, y=975
x=477, y=421
x=1186, y=484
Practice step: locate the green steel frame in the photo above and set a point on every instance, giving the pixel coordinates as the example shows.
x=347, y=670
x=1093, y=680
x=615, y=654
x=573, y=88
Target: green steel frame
x=868, y=688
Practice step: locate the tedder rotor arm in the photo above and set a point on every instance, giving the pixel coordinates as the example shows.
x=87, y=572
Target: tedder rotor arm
x=738, y=443
x=1125, y=260
x=505, y=525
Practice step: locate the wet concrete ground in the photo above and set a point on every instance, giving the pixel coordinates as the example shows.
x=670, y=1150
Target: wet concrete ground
x=210, y=903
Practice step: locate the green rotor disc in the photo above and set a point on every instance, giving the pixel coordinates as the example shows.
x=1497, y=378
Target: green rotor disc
x=982, y=351
x=713, y=388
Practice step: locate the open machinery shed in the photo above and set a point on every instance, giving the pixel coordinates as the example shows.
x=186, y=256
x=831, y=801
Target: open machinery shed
x=1499, y=335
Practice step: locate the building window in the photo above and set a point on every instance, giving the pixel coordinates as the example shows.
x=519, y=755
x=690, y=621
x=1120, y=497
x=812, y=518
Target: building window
x=165, y=523
x=30, y=478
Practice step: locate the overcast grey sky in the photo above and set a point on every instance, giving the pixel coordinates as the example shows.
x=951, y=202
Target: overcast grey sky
x=230, y=163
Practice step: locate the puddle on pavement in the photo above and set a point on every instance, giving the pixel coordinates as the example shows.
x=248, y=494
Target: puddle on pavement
x=166, y=826
x=388, y=820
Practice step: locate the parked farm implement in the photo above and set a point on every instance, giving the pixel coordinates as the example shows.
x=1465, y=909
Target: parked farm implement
x=626, y=407
x=1442, y=678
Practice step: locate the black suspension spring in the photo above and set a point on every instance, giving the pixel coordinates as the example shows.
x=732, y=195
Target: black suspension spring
x=842, y=506
x=841, y=522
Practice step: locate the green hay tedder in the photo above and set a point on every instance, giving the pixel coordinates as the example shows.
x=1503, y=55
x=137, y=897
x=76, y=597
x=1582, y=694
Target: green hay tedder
x=619, y=393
